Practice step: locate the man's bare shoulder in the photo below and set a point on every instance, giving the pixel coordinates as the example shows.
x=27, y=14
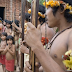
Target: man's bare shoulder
x=69, y=40
x=70, y=34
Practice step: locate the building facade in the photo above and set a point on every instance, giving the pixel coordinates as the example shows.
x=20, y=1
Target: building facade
x=8, y=7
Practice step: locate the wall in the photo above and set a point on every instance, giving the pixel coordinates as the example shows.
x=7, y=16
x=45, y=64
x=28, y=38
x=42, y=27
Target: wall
x=16, y=8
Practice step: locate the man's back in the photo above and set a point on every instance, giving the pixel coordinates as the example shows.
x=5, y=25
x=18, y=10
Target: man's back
x=49, y=31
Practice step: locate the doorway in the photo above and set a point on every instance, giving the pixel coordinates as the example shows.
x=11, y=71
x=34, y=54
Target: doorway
x=2, y=12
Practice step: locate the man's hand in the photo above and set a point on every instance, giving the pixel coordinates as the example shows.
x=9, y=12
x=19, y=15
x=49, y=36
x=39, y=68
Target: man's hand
x=27, y=67
x=21, y=42
x=33, y=35
x=24, y=49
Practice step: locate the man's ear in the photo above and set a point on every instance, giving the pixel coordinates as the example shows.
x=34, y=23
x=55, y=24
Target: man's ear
x=62, y=10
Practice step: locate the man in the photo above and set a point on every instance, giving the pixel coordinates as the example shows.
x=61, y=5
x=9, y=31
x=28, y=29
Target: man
x=57, y=16
x=45, y=30
x=41, y=22
x=49, y=31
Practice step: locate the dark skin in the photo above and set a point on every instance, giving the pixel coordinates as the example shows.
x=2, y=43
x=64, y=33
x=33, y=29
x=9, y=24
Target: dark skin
x=9, y=51
x=3, y=42
x=8, y=30
x=18, y=28
x=17, y=45
x=49, y=34
x=52, y=61
x=2, y=47
x=49, y=31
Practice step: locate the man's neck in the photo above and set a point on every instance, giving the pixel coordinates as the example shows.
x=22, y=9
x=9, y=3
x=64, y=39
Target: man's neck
x=63, y=25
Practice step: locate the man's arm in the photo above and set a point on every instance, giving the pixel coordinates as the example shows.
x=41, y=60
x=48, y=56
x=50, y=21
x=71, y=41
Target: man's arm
x=12, y=51
x=34, y=35
x=46, y=61
x=69, y=41
x=24, y=49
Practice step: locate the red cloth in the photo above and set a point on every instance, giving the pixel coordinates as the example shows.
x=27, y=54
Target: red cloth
x=9, y=65
x=44, y=40
x=2, y=59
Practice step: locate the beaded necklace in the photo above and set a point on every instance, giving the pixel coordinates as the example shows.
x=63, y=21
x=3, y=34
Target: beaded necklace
x=58, y=35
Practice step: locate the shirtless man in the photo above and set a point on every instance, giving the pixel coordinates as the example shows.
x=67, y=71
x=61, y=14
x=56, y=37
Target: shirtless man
x=41, y=22
x=44, y=27
x=9, y=52
x=57, y=17
x=49, y=31
x=45, y=30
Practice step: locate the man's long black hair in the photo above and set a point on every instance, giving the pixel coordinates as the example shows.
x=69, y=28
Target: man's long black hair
x=67, y=15
x=42, y=10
